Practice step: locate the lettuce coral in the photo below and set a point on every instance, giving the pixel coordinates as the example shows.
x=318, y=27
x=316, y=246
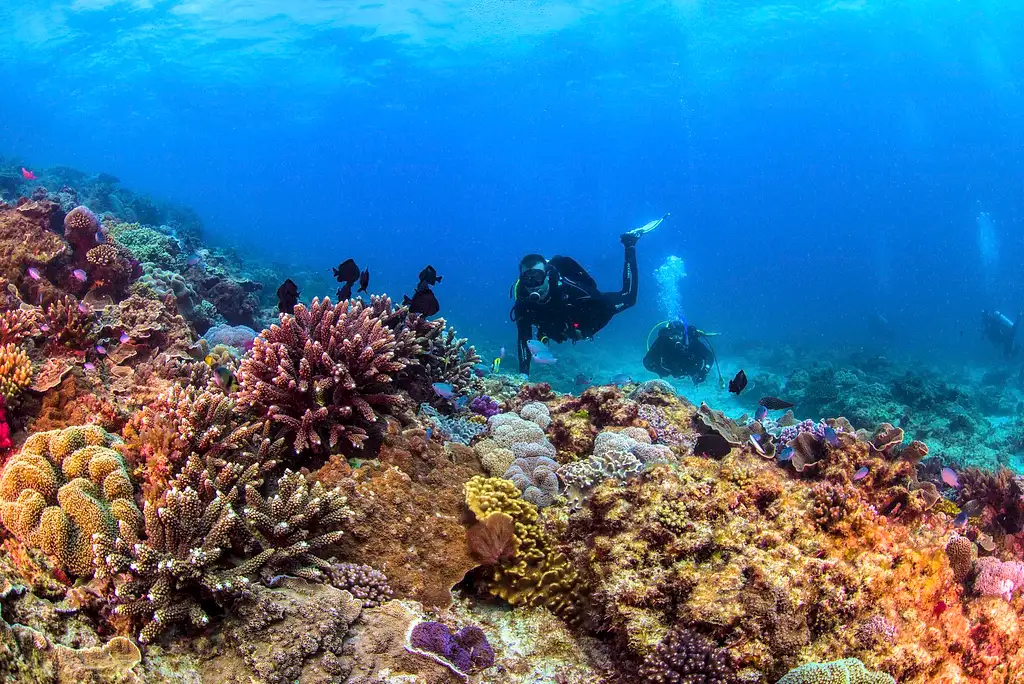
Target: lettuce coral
x=64, y=487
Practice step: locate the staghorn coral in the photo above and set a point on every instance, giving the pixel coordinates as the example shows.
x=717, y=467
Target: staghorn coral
x=18, y=324
x=325, y=372
x=69, y=323
x=362, y=581
x=685, y=657
x=537, y=479
x=15, y=371
x=538, y=575
x=63, y=487
x=849, y=671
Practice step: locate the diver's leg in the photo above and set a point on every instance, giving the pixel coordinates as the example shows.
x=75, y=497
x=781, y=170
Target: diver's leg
x=627, y=297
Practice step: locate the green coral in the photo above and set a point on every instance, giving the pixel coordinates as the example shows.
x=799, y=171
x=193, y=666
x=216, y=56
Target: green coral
x=145, y=243
x=64, y=487
x=537, y=575
x=848, y=671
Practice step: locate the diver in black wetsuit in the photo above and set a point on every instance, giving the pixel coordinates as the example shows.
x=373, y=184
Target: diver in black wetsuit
x=1000, y=330
x=561, y=300
x=680, y=350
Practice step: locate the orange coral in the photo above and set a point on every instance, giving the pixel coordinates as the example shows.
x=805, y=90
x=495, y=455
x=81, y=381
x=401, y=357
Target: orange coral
x=15, y=371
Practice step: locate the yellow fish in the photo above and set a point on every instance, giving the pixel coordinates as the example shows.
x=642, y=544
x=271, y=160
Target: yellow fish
x=496, y=365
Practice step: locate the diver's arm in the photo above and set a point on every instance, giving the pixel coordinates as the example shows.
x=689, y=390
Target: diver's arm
x=525, y=332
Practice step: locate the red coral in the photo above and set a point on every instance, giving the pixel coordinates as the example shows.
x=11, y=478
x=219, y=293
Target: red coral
x=325, y=372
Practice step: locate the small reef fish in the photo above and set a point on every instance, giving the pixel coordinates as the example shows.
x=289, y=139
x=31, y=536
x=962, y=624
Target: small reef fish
x=496, y=365
x=502, y=354
x=961, y=519
x=831, y=438
x=287, y=296
x=775, y=404
x=423, y=302
x=347, y=272
x=581, y=380
x=482, y=369
x=973, y=507
x=786, y=454
x=761, y=413
x=429, y=433
x=28, y=175
x=861, y=474
x=33, y=273
x=429, y=276
x=84, y=308
x=540, y=353
x=224, y=378
x=345, y=291
x=194, y=260
x=756, y=444
x=621, y=379
x=101, y=237
x=100, y=349
x=364, y=281
x=89, y=365
x=125, y=338
x=738, y=383
x=462, y=402
x=80, y=275
x=949, y=477
x=44, y=328
x=443, y=390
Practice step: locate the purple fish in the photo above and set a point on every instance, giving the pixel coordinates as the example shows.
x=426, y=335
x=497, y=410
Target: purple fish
x=860, y=474
x=80, y=275
x=33, y=273
x=88, y=365
x=84, y=308
x=125, y=338
x=194, y=260
x=100, y=349
x=950, y=478
x=44, y=328
x=761, y=413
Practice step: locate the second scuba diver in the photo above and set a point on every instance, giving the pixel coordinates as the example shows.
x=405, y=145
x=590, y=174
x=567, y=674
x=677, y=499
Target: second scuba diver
x=680, y=350
x=1000, y=330
x=561, y=300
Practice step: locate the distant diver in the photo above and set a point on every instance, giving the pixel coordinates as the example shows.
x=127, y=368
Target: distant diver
x=683, y=351
x=1000, y=331
x=561, y=300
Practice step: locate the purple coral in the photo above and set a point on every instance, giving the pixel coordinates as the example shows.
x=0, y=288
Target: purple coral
x=536, y=477
x=790, y=432
x=998, y=578
x=686, y=657
x=664, y=431
x=237, y=336
x=467, y=651
x=485, y=406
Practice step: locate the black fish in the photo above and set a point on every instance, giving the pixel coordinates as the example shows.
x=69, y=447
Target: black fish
x=775, y=404
x=429, y=276
x=345, y=291
x=364, y=281
x=423, y=302
x=739, y=383
x=347, y=272
x=287, y=296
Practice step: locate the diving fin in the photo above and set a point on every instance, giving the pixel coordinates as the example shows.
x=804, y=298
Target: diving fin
x=648, y=227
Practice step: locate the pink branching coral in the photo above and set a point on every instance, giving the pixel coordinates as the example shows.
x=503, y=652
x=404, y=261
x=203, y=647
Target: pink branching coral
x=17, y=324
x=325, y=372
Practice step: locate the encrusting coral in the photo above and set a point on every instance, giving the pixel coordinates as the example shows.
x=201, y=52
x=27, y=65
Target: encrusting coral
x=63, y=487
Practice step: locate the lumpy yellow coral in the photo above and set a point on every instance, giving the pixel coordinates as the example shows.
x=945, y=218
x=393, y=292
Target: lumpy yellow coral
x=850, y=670
x=63, y=487
x=537, y=575
x=15, y=370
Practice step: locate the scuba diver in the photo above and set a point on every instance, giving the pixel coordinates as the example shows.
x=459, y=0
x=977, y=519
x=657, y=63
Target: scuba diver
x=561, y=300
x=680, y=350
x=1000, y=331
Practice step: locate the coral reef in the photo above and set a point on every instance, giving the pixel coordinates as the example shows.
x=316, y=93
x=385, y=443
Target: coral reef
x=687, y=658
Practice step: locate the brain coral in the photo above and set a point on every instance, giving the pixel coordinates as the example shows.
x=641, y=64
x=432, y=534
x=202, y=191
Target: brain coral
x=63, y=487
x=15, y=371
x=537, y=575
x=848, y=671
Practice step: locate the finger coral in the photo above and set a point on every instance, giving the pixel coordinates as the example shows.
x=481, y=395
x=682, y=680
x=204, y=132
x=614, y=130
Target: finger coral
x=685, y=657
x=15, y=371
x=325, y=372
x=365, y=583
x=17, y=324
x=538, y=575
x=63, y=487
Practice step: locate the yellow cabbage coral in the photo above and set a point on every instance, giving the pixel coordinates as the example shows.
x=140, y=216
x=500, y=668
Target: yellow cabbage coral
x=15, y=371
x=536, y=575
x=63, y=487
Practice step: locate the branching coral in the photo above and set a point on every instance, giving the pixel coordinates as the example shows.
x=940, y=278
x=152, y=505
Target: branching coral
x=18, y=324
x=448, y=358
x=15, y=371
x=69, y=323
x=62, y=488
x=324, y=373
x=537, y=575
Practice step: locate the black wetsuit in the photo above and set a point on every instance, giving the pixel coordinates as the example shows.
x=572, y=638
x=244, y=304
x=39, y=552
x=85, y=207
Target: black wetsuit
x=680, y=353
x=575, y=309
x=998, y=330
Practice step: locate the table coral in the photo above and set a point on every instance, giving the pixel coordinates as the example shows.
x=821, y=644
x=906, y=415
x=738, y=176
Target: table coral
x=63, y=487
x=325, y=372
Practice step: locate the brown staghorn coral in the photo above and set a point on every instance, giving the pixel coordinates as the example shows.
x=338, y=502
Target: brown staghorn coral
x=70, y=323
x=324, y=373
x=63, y=487
x=448, y=359
x=18, y=324
x=15, y=371
x=538, y=574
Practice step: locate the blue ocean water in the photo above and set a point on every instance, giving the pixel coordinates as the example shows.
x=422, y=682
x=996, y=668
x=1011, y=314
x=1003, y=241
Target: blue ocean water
x=825, y=163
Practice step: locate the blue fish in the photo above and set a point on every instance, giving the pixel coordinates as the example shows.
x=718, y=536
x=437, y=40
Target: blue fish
x=430, y=433
x=461, y=402
x=786, y=455
x=761, y=413
x=444, y=390
x=831, y=437
x=960, y=520
x=621, y=379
